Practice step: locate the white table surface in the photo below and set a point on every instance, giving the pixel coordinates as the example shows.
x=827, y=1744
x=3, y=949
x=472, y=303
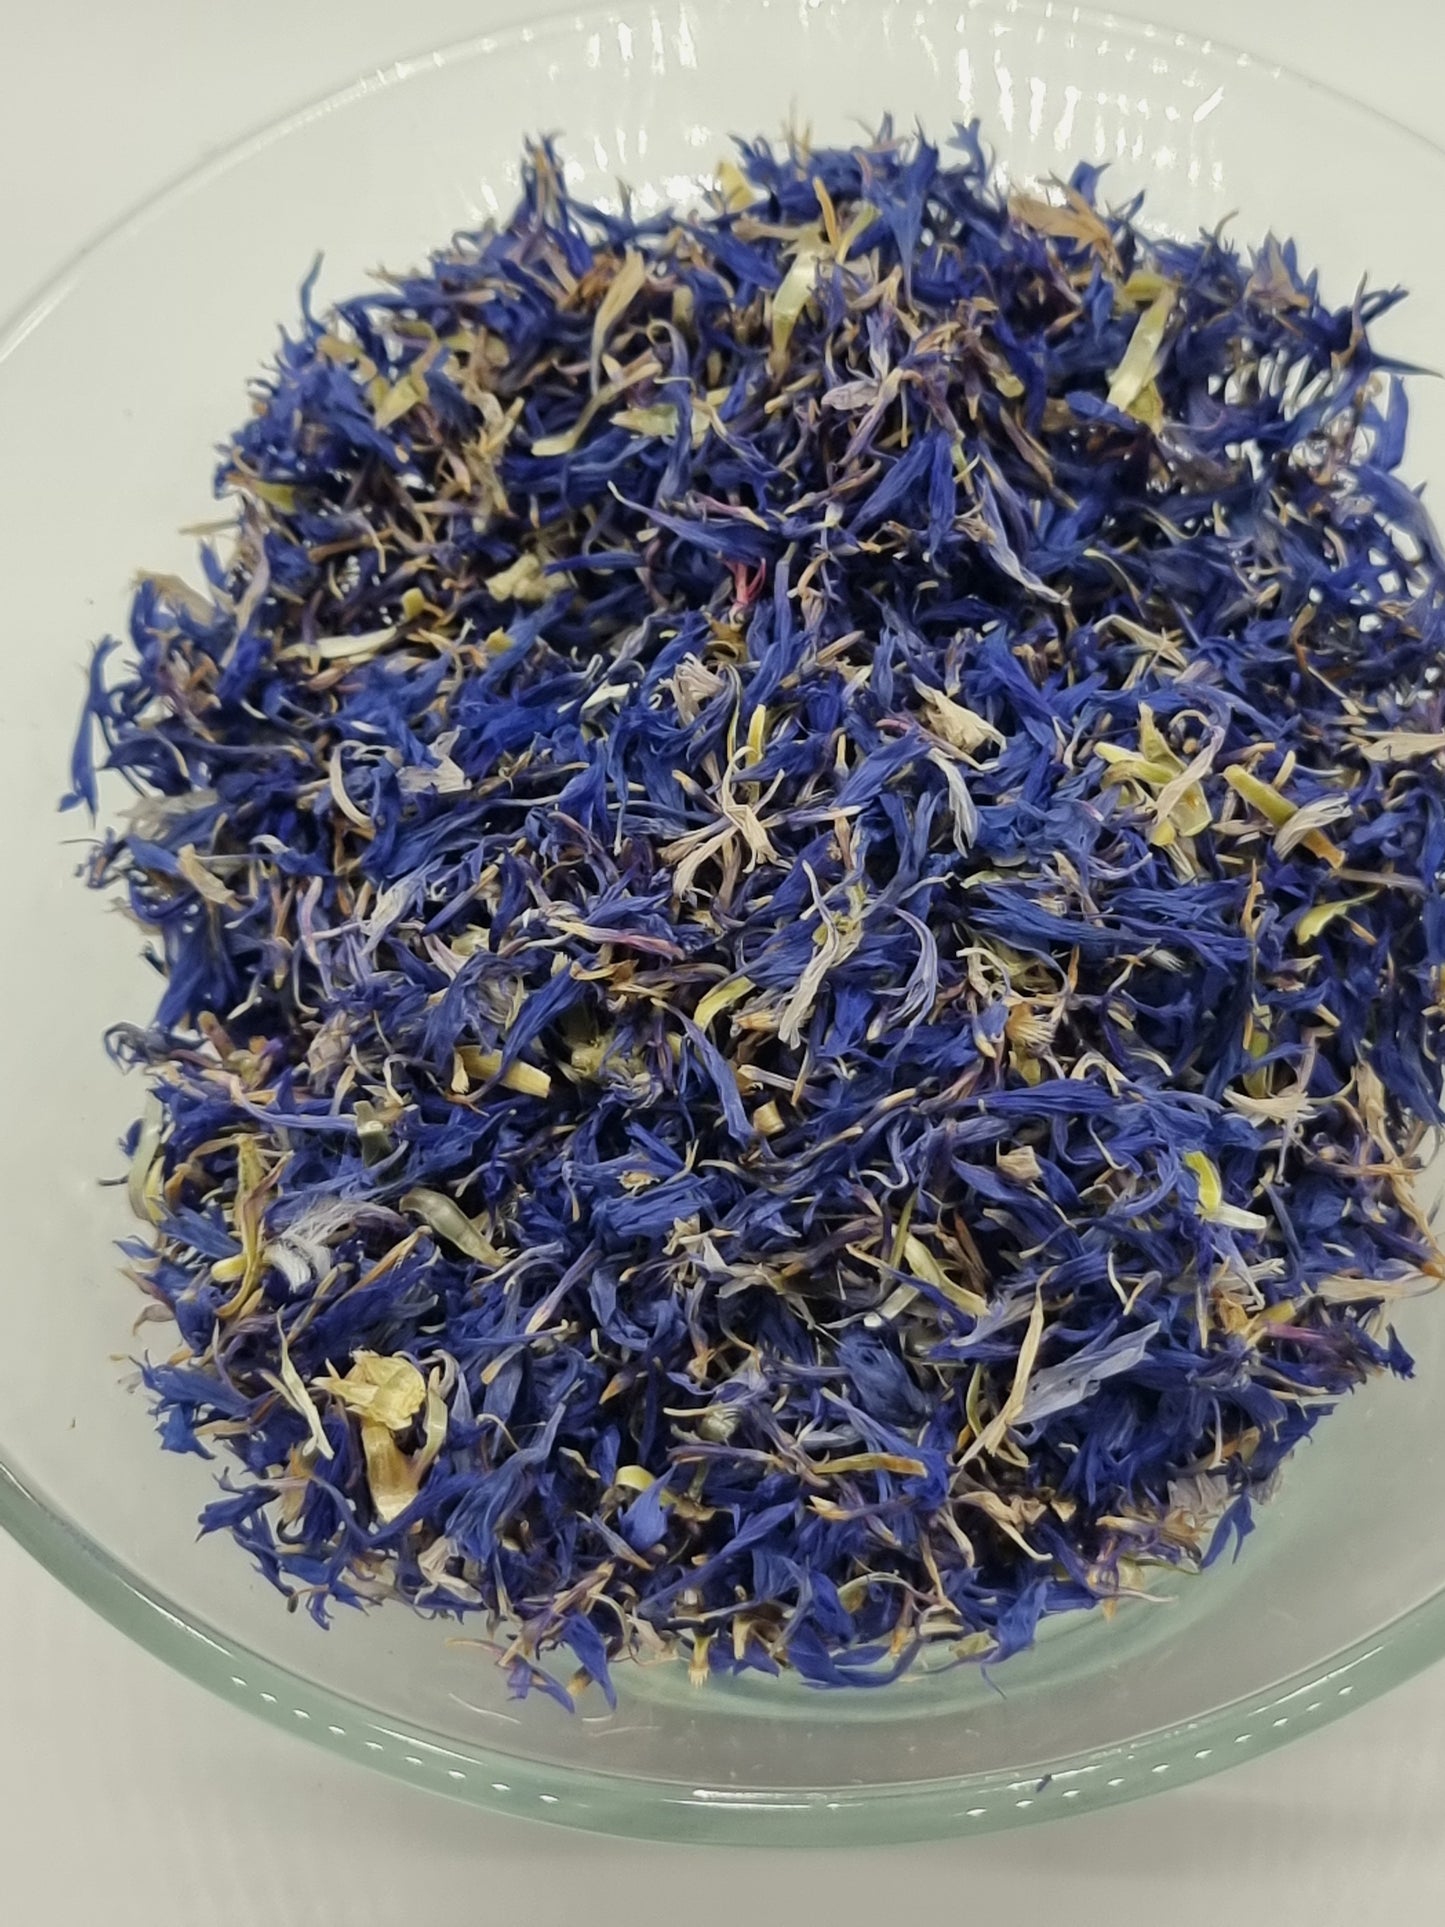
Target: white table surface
x=128, y=1795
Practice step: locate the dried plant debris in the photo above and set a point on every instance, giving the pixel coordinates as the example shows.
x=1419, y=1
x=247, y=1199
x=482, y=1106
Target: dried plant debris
x=796, y=868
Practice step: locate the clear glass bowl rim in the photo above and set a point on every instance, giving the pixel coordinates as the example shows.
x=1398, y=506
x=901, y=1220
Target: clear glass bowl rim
x=667, y=1809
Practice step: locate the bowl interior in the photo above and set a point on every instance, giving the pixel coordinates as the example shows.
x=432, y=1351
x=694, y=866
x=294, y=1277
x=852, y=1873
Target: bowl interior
x=114, y=388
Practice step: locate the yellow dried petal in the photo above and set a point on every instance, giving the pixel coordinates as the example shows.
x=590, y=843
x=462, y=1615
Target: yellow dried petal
x=1257, y=1083
x=300, y=1399
x=400, y=398
x=336, y=782
x=1069, y=220
x=958, y=725
x=277, y=495
x=253, y=1180
x=918, y=1259
x=379, y=1386
x=1211, y=1191
x=1403, y=745
x=435, y=1431
x=350, y=648
x=974, y=1644
x=907, y=1468
x=1317, y=920
x=625, y=286
x=1143, y=286
x=524, y=581
x=793, y=296
x=1154, y=744
x=995, y=1432
x=720, y=998
x=1211, y=1197
x=1238, y=1219
x=1141, y=358
x=973, y=1403
x=1191, y=815
x=733, y=187
x=143, y=1158
x=390, y=1475
x=659, y=422
x=697, y=1666
x=1125, y=766
x=1148, y=406
x=445, y=1217
x=1262, y=796
x=1021, y=1164
x=528, y=1079
x=864, y=215
x=193, y=869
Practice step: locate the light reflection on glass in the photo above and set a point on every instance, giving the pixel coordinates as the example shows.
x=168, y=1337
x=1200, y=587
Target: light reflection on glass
x=1038, y=95
x=1004, y=76
x=1064, y=132
x=965, y=80
x=685, y=45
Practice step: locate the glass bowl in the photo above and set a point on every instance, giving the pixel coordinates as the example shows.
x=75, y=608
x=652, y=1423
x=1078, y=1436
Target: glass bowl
x=115, y=384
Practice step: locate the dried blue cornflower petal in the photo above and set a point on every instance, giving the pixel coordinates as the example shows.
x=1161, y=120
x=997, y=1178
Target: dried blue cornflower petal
x=797, y=864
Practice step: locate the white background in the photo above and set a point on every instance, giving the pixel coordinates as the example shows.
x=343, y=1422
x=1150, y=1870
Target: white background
x=128, y=1795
